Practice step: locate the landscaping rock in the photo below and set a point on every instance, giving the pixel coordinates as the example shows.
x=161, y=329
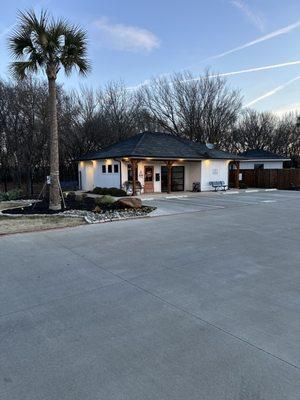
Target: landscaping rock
x=130, y=202
x=106, y=216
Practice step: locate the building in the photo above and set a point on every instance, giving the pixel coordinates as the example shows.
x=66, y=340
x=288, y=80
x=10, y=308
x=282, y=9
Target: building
x=158, y=162
x=261, y=159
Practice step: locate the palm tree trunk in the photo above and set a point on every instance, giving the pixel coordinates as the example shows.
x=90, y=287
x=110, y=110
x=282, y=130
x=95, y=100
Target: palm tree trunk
x=55, y=200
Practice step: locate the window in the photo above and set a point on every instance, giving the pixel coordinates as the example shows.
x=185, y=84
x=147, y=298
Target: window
x=116, y=168
x=103, y=169
x=109, y=168
x=258, y=166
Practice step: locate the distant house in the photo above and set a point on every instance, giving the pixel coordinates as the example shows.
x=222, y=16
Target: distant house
x=261, y=159
x=157, y=162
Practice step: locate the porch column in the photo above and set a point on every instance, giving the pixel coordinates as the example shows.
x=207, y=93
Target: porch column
x=237, y=182
x=169, y=166
x=134, y=164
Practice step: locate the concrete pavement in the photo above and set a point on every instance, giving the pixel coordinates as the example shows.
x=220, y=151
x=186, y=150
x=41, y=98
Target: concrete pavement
x=202, y=304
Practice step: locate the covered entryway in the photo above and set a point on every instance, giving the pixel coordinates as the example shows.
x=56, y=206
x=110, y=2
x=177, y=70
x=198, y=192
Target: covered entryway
x=177, y=179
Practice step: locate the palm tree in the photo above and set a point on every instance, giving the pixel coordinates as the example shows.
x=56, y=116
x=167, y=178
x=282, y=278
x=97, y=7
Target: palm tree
x=48, y=45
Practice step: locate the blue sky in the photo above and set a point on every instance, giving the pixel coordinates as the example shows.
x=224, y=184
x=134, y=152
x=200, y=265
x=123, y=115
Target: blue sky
x=135, y=40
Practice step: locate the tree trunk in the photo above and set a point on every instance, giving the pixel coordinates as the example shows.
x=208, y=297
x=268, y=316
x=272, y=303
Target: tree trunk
x=55, y=200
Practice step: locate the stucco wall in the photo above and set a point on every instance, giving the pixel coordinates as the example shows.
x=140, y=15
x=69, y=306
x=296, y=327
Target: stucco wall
x=92, y=175
x=87, y=174
x=204, y=172
x=192, y=173
x=213, y=170
x=267, y=164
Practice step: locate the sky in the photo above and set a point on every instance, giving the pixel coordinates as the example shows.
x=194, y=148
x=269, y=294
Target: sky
x=255, y=44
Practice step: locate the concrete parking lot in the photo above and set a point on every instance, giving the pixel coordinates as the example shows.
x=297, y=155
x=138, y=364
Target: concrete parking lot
x=200, y=302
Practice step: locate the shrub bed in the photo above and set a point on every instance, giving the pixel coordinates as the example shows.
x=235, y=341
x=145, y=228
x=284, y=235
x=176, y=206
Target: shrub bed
x=15, y=194
x=109, y=191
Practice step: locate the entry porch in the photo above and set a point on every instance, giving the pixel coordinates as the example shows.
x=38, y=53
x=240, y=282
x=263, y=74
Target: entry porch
x=156, y=176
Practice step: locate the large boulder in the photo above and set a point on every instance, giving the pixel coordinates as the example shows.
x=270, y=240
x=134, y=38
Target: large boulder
x=130, y=202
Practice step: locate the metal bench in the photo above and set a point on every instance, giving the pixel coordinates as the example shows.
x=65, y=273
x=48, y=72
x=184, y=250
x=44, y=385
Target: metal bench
x=196, y=187
x=218, y=185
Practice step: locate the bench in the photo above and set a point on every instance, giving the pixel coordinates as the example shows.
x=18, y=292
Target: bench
x=218, y=185
x=196, y=187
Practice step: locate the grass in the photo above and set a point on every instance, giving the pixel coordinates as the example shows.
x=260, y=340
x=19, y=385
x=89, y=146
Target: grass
x=32, y=223
x=5, y=205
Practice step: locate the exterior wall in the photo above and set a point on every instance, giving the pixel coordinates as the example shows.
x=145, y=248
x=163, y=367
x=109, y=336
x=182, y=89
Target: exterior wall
x=213, y=170
x=197, y=171
x=267, y=164
x=192, y=173
x=92, y=175
x=87, y=175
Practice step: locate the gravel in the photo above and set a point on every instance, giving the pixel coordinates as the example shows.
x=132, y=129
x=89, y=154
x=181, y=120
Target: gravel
x=107, y=216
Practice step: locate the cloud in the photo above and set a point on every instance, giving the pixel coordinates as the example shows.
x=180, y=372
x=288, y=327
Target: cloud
x=272, y=92
x=125, y=37
x=255, y=18
x=294, y=107
x=261, y=39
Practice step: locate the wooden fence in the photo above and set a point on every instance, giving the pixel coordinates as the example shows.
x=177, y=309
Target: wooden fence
x=271, y=178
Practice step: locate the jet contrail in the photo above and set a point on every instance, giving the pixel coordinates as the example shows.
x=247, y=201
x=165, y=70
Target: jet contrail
x=269, y=36
x=272, y=92
x=255, y=69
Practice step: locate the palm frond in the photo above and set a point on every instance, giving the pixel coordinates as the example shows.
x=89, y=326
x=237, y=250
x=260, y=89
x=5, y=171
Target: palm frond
x=19, y=69
x=74, y=52
x=47, y=43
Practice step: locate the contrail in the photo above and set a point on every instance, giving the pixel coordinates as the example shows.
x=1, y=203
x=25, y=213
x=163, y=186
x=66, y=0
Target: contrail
x=269, y=36
x=265, y=68
x=272, y=92
x=253, y=17
x=232, y=73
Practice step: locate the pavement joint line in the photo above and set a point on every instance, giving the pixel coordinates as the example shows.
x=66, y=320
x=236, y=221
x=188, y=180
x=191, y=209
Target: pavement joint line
x=58, y=298
x=174, y=306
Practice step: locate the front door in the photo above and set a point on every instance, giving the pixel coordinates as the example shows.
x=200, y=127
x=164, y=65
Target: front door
x=177, y=179
x=149, y=179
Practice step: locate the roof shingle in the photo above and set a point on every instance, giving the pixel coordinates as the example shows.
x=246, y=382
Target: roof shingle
x=158, y=145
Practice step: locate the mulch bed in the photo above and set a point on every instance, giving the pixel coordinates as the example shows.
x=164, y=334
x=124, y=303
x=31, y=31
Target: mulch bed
x=109, y=212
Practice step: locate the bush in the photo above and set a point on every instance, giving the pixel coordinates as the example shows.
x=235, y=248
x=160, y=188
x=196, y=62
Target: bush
x=242, y=185
x=71, y=196
x=106, y=199
x=109, y=191
x=14, y=194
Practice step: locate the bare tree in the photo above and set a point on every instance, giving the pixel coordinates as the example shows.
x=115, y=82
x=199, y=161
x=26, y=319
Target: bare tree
x=201, y=109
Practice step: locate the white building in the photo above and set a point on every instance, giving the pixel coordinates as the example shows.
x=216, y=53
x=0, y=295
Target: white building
x=261, y=159
x=160, y=162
